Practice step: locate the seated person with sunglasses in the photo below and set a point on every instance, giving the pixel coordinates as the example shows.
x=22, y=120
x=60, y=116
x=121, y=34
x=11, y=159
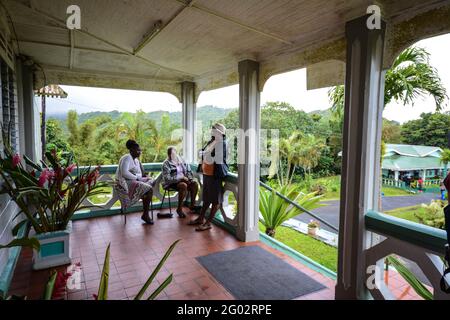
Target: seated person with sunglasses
x=177, y=175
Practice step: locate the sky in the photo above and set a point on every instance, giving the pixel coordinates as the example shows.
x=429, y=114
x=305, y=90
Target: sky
x=289, y=87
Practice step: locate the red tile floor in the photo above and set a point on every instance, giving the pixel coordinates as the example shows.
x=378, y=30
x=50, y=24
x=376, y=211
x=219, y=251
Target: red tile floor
x=137, y=248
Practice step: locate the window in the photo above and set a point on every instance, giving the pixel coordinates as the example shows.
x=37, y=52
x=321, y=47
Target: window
x=8, y=110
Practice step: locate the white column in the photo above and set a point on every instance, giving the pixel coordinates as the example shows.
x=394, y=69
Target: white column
x=29, y=118
x=396, y=172
x=361, y=153
x=248, y=151
x=188, y=121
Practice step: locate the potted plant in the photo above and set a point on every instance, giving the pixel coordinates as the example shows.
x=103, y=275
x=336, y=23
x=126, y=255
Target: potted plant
x=313, y=226
x=275, y=210
x=48, y=195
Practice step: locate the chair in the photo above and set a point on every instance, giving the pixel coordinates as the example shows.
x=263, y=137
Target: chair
x=167, y=193
x=117, y=190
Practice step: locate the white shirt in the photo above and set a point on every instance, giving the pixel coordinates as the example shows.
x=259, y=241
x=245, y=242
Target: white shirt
x=129, y=168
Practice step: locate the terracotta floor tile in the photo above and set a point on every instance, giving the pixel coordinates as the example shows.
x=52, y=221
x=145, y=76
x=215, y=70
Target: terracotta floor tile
x=136, y=249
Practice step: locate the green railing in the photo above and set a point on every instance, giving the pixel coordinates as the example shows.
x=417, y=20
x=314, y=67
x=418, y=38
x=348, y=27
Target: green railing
x=412, y=242
x=430, y=238
x=428, y=186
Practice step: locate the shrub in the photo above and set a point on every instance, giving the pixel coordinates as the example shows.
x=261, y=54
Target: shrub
x=433, y=214
x=319, y=189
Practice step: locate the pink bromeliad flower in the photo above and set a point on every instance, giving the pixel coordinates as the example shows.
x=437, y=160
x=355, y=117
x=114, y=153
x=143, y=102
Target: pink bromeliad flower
x=15, y=160
x=70, y=168
x=46, y=175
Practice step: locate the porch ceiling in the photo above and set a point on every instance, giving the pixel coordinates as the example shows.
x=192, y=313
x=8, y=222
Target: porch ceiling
x=199, y=41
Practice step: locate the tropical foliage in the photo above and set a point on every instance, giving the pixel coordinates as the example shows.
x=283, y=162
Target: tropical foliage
x=104, y=280
x=411, y=278
x=299, y=150
x=275, y=210
x=47, y=194
x=430, y=129
x=411, y=76
x=432, y=214
x=57, y=283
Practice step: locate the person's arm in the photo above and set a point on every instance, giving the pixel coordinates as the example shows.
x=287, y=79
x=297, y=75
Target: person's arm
x=166, y=174
x=144, y=175
x=125, y=169
x=188, y=170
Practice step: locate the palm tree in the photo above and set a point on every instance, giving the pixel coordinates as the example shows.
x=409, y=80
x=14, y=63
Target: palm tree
x=411, y=76
x=162, y=138
x=299, y=150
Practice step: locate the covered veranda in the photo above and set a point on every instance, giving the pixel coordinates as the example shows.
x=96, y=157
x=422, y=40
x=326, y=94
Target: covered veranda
x=187, y=47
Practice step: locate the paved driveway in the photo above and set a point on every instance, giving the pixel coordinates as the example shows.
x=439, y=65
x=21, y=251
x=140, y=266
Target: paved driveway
x=330, y=212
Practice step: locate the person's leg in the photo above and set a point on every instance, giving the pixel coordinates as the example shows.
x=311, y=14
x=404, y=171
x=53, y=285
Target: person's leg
x=193, y=189
x=146, y=199
x=182, y=188
x=201, y=217
x=207, y=224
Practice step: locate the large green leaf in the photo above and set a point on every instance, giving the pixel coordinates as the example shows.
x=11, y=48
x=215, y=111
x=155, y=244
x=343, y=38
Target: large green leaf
x=29, y=162
x=103, y=288
x=412, y=280
x=24, y=242
x=17, y=227
x=161, y=288
x=155, y=272
x=50, y=286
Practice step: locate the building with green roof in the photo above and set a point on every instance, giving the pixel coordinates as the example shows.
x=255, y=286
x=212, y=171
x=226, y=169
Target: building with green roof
x=401, y=160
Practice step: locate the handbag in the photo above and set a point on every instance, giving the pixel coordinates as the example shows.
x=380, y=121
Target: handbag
x=221, y=169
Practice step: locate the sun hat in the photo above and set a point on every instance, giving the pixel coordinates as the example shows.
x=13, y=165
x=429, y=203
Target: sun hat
x=220, y=127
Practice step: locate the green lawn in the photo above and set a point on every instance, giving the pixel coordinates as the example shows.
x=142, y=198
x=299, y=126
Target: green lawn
x=406, y=213
x=101, y=198
x=333, y=188
x=318, y=251
x=392, y=192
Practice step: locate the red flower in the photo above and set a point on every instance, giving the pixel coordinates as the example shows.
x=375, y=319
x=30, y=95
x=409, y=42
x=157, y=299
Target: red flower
x=43, y=178
x=70, y=168
x=15, y=160
x=92, y=177
x=33, y=173
x=46, y=175
x=60, y=285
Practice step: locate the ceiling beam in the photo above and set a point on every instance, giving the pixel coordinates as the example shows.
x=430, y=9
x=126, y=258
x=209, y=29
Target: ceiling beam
x=53, y=44
x=126, y=51
x=158, y=29
x=235, y=22
x=49, y=67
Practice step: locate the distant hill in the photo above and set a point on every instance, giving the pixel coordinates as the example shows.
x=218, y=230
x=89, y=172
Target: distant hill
x=205, y=114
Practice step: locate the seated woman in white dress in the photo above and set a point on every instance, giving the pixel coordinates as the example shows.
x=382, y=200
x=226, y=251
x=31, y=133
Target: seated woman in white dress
x=132, y=182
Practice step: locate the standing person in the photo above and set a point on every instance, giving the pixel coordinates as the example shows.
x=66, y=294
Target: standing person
x=212, y=165
x=177, y=174
x=447, y=186
x=420, y=183
x=132, y=182
x=443, y=190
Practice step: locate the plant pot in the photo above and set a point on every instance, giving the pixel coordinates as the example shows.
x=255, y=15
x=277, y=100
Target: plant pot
x=312, y=231
x=55, y=249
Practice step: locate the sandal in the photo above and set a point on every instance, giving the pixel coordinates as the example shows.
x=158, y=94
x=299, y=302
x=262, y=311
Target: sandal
x=195, y=222
x=181, y=214
x=193, y=210
x=147, y=220
x=203, y=227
